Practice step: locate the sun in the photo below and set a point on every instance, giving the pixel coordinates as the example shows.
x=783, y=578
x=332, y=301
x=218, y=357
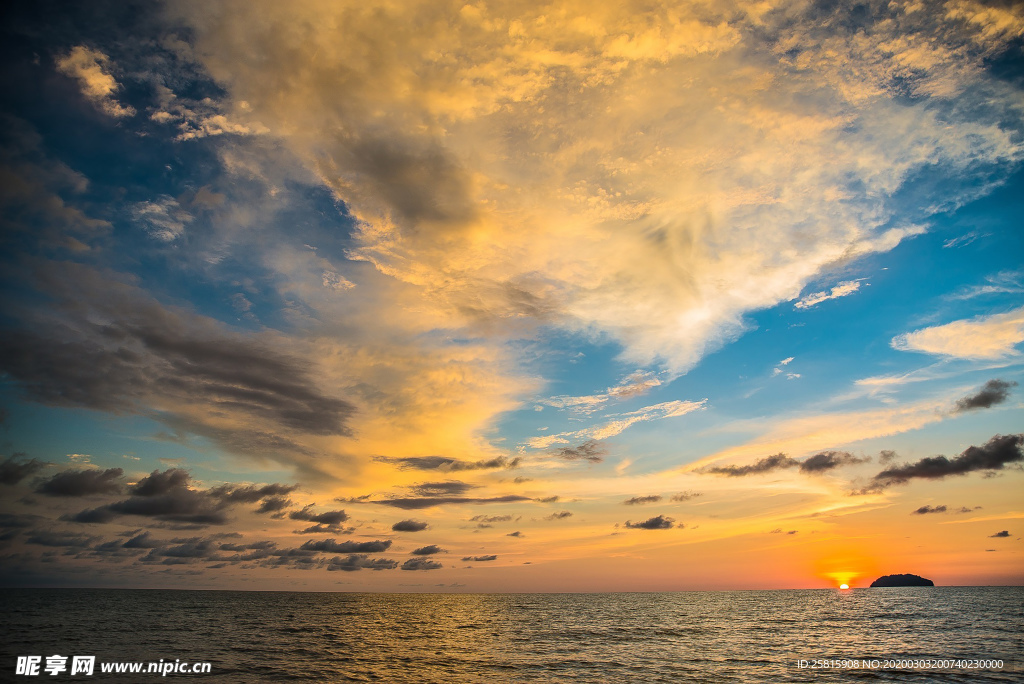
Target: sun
x=844, y=586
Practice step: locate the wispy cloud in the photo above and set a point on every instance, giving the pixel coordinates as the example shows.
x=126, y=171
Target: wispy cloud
x=91, y=68
x=843, y=289
x=984, y=337
x=620, y=422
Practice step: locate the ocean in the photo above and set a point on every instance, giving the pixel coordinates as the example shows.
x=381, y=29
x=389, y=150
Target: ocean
x=903, y=634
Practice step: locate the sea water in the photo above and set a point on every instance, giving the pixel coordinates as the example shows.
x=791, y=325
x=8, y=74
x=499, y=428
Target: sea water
x=736, y=636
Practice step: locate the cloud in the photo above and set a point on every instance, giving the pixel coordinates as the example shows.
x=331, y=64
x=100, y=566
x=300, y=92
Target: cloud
x=445, y=464
x=829, y=460
x=100, y=514
x=1004, y=533
x=559, y=515
x=60, y=539
x=983, y=337
x=251, y=493
x=620, y=422
x=142, y=541
x=778, y=369
x=427, y=550
x=177, y=505
x=591, y=451
x=643, y=238
x=764, y=465
x=1004, y=282
x=421, y=564
x=929, y=509
x=843, y=289
x=517, y=533
x=413, y=503
x=451, y=487
x=333, y=546
x=168, y=496
x=163, y=219
x=684, y=496
x=479, y=559
x=640, y=500
x=274, y=504
x=14, y=469
x=90, y=69
x=409, y=526
x=327, y=518
x=157, y=482
x=994, y=455
x=820, y=462
x=359, y=562
x=82, y=483
x=659, y=522
x=992, y=393
x=184, y=370
x=490, y=518
x=633, y=385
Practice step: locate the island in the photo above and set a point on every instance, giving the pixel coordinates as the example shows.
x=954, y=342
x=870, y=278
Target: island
x=902, y=581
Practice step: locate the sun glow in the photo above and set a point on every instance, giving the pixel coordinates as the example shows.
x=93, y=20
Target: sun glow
x=844, y=586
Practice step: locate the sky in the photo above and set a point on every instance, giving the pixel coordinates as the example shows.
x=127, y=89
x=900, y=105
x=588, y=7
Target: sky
x=511, y=296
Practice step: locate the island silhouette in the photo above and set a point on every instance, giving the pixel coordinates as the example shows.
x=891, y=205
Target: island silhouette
x=902, y=581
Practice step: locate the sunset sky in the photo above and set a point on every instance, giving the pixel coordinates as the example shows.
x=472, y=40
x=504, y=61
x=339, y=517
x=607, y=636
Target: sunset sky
x=511, y=296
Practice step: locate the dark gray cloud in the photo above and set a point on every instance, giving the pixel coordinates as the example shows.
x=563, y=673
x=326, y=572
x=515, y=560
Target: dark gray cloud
x=559, y=515
x=517, y=533
x=449, y=488
x=659, y=522
x=992, y=392
x=479, y=559
x=765, y=465
x=427, y=550
x=641, y=500
x=449, y=465
x=409, y=526
x=333, y=546
x=60, y=539
x=14, y=469
x=167, y=496
x=19, y=520
x=994, y=455
x=142, y=541
x=251, y=546
x=886, y=456
x=591, y=451
x=422, y=182
x=157, y=482
x=1004, y=533
x=177, y=505
x=829, y=460
x=251, y=493
x=421, y=564
x=684, y=496
x=274, y=504
x=965, y=509
x=414, y=503
x=82, y=483
x=101, y=514
x=929, y=509
x=105, y=344
x=359, y=562
x=821, y=462
x=490, y=518
x=328, y=518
